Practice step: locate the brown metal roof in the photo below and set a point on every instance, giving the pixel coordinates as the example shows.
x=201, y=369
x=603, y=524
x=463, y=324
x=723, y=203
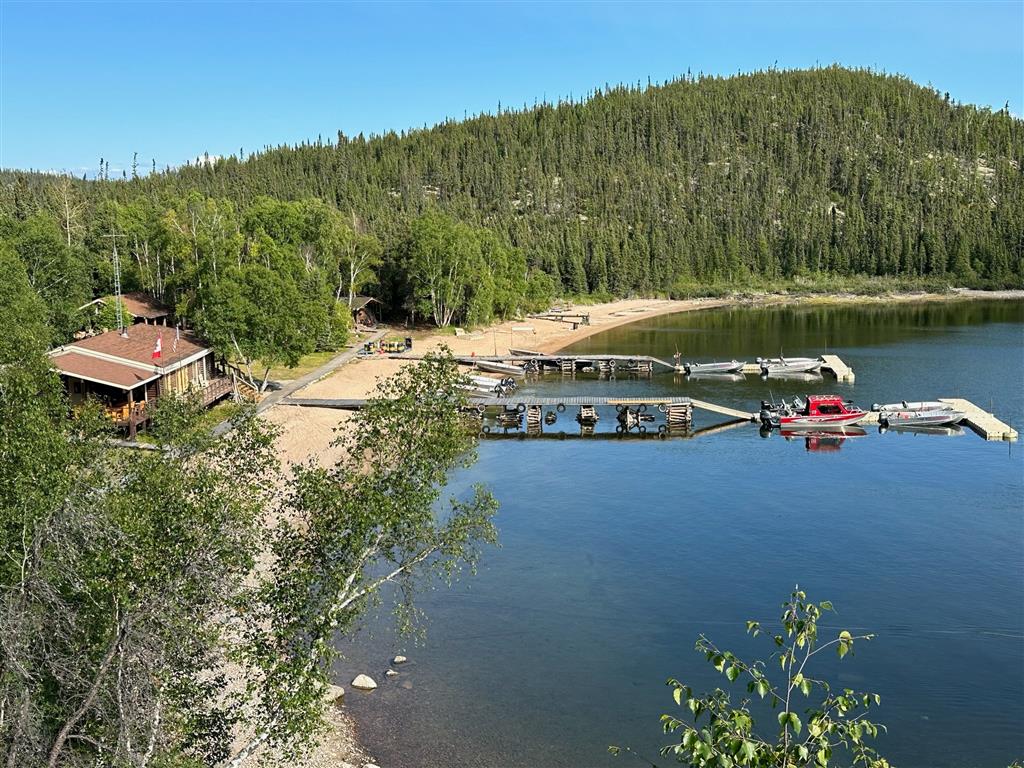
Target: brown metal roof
x=358, y=302
x=143, y=305
x=138, y=347
x=77, y=365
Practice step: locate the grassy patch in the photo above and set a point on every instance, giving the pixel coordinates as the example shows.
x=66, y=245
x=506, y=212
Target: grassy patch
x=222, y=411
x=307, y=364
x=210, y=418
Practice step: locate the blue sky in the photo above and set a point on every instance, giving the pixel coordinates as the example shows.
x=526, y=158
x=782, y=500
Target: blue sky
x=80, y=81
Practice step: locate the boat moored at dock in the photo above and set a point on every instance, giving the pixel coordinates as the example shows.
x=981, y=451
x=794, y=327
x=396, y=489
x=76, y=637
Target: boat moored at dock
x=924, y=413
x=816, y=412
x=788, y=365
x=733, y=366
x=492, y=366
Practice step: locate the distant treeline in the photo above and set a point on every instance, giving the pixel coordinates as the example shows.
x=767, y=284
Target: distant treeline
x=816, y=175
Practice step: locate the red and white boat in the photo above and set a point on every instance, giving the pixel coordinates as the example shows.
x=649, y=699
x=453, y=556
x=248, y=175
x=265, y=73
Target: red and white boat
x=817, y=412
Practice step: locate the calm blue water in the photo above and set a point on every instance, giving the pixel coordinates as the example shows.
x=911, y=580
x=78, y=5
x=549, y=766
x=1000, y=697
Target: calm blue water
x=615, y=556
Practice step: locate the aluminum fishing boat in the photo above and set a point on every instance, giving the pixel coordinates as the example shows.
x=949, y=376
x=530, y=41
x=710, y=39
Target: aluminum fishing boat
x=944, y=431
x=716, y=377
x=784, y=365
x=492, y=366
x=816, y=412
x=733, y=366
x=922, y=413
x=524, y=353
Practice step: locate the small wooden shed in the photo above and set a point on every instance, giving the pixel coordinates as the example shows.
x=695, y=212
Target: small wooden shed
x=362, y=311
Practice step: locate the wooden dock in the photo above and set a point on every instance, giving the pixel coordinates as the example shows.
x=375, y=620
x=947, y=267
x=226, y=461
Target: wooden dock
x=576, y=318
x=980, y=421
x=514, y=401
x=724, y=410
x=341, y=404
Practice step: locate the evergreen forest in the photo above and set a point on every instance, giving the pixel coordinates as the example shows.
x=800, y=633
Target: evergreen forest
x=764, y=181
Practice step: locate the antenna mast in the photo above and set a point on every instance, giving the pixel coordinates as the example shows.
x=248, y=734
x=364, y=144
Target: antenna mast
x=118, y=311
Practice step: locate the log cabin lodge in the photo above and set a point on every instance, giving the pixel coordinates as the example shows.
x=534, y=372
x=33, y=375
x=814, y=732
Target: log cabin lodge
x=121, y=371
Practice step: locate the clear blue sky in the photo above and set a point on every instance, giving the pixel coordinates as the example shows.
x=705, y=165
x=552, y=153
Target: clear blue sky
x=173, y=80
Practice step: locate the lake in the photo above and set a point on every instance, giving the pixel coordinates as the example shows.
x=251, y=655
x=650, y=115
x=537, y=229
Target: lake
x=615, y=555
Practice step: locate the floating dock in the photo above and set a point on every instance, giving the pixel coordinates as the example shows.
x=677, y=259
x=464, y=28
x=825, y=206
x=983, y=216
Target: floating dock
x=981, y=421
x=617, y=364
x=678, y=410
x=840, y=370
x=831, y=363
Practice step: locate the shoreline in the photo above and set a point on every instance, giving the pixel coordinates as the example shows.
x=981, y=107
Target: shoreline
x=782, y=299
x=307, y=433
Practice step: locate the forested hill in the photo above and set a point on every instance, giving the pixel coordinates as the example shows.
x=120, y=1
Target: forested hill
x=728, y=180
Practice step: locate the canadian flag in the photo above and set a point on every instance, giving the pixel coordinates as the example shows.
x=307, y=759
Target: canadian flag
x=158, y=347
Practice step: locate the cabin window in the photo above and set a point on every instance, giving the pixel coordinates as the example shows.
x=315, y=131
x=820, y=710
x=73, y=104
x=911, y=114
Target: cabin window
x=828, y=410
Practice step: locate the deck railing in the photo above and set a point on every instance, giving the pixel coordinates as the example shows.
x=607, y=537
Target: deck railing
x=215, y=390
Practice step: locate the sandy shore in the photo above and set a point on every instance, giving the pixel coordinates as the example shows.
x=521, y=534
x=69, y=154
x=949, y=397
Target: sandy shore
x=307, y=433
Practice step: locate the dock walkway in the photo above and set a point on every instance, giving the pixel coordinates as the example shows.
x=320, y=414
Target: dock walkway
x=841, y=370
x=981, y=421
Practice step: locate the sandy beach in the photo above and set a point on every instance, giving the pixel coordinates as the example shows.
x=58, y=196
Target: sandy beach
x=306, y=433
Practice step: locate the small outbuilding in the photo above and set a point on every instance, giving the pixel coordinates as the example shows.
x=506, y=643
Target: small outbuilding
x=142, y=307
x=362, y=309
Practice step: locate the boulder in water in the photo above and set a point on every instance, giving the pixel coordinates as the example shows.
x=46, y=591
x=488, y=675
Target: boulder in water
x=364, y=683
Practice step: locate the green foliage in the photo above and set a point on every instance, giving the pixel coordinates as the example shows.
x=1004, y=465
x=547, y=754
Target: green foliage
x=149, y=616
x=22, y=311
x=367, y=521
x=106, y=315
x=696, y=187
x=55, y=271
x=256, y=313
x=816, y=725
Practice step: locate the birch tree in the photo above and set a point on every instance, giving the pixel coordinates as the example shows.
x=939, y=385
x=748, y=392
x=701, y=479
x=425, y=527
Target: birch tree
x=131, y=604
x=68, y=207
x=443, y=257
x=811, y=723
